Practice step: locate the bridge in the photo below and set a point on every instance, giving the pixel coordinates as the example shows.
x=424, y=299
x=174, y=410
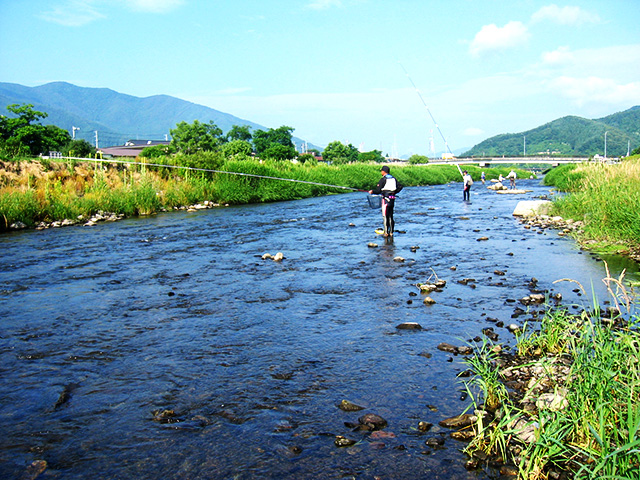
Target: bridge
x=548, y=160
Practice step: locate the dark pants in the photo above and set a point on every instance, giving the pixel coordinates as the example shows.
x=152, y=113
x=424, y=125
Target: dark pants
x=387, y=215
x=465, y=193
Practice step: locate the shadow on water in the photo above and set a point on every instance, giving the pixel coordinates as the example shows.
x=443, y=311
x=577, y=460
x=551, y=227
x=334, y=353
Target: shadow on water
x=166, y=347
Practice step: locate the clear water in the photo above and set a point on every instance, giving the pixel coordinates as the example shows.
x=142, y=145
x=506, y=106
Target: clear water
x=102, y=327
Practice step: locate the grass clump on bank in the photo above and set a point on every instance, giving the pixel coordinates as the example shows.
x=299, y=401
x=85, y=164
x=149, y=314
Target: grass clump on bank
x=605, y=197
x=34, y=191
x=567, y=403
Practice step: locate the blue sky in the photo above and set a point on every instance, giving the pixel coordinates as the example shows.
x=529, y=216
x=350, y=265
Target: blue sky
x=335, y=69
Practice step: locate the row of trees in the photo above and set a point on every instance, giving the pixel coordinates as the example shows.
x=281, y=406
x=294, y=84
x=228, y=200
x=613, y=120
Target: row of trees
x=21, y=134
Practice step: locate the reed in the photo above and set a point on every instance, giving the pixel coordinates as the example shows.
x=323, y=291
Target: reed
x=605, y=197
x=594, y=431
x=45, y=191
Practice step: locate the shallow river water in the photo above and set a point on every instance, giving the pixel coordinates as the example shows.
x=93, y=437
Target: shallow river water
x=104, y=328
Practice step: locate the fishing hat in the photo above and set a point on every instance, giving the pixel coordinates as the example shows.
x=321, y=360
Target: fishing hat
x=385, y=169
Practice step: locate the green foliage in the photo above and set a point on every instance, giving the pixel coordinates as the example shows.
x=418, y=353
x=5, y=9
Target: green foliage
x=338, y=153
x=236, y=150
x=264, y=139
x=157, y=151
x=374, y=156
x=196, y=137
x=20, y=135
x=239, y=132
x=306, y=157
x=416, y=159
x=568, y=136
x=78, y=148
x=275, y=151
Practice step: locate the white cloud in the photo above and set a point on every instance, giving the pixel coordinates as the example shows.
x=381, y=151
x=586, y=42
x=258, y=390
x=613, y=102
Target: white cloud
x=492, y=38
x=73, y=13
x=597, y=90
x=564, y=15
x=154, y=6
x=76, y=13
x=324, y=4
x=472, y=132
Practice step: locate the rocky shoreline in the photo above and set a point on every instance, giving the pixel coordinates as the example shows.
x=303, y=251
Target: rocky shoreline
x=101, y=216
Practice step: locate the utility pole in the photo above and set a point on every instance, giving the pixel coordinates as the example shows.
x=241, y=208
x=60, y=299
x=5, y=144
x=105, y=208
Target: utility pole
x=605, y=145
x=96, y=132
x=73, y=132
x=525, y=146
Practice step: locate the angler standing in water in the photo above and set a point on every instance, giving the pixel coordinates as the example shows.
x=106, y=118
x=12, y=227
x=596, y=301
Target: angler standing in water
x=467, y=181
x=388, y=187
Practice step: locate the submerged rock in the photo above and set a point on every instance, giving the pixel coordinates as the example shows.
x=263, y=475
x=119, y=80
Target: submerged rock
x=347, y=406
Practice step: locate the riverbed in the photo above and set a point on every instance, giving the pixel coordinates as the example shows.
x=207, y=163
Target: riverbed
x=166, y=347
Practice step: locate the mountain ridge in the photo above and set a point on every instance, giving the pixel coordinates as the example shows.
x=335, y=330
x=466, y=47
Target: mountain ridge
x=569, y=135
x=117, y=117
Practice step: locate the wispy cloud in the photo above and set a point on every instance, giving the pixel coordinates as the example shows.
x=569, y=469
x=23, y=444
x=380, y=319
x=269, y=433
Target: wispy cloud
x=154, y=6
x=596, y=90
x=77, y=13
x=492, y=38
x=73, y=13
x=324, y=4
x=564, y=15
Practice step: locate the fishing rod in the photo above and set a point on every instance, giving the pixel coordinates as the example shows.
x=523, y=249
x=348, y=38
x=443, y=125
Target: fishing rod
x=446, y=144
x=127, y=162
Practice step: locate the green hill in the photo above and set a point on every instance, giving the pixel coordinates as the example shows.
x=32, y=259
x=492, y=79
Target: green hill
x=569, y=136
x=115, y=116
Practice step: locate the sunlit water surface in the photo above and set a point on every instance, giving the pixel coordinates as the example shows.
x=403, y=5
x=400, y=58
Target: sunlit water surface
x=102, y=328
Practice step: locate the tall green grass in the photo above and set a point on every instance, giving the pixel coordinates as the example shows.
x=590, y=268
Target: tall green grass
x=71, y=190
x=596, y=433
x=605, y=197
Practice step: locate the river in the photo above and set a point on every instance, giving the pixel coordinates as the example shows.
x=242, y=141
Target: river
x=165, y=347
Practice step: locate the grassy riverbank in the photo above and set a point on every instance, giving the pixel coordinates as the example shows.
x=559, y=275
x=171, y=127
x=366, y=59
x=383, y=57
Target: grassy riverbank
x=34, y=191
x=566, y=402
x=606, y=198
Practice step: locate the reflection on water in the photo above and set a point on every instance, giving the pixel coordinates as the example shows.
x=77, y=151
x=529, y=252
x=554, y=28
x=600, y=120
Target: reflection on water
x=166, y=347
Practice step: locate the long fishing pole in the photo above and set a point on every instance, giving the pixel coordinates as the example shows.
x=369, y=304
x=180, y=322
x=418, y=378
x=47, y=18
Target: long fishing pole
x=127, y=162
x=446, y=144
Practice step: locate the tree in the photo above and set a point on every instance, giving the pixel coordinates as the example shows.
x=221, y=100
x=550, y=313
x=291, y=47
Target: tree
x=78, y=148
x=372, y=156
x=195, y=137
x=236, y=149
x=337, y=152
x=157, y=151
x=275, y=151
x=21, y=135
x=417, y=159
x=239, y=132
x=263, y=140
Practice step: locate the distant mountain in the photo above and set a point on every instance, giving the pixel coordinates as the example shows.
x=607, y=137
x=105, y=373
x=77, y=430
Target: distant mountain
x=115, y=116
x=569, y=136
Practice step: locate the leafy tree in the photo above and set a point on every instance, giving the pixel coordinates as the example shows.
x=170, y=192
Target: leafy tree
x=78, y=148
x=239, y=132
x=276, y=151
x=196, y=137
x=21, y=135
x=306, y=157
x=337, y=152
x=263, y=140
x=236, y=149
x=372, y=156
x=417, y=159
x=157, y=151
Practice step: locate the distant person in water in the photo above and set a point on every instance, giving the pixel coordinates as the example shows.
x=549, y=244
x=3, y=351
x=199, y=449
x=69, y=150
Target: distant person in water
x=512, y=179
x=482, y=177
x=467, y=181
x=388, y=187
